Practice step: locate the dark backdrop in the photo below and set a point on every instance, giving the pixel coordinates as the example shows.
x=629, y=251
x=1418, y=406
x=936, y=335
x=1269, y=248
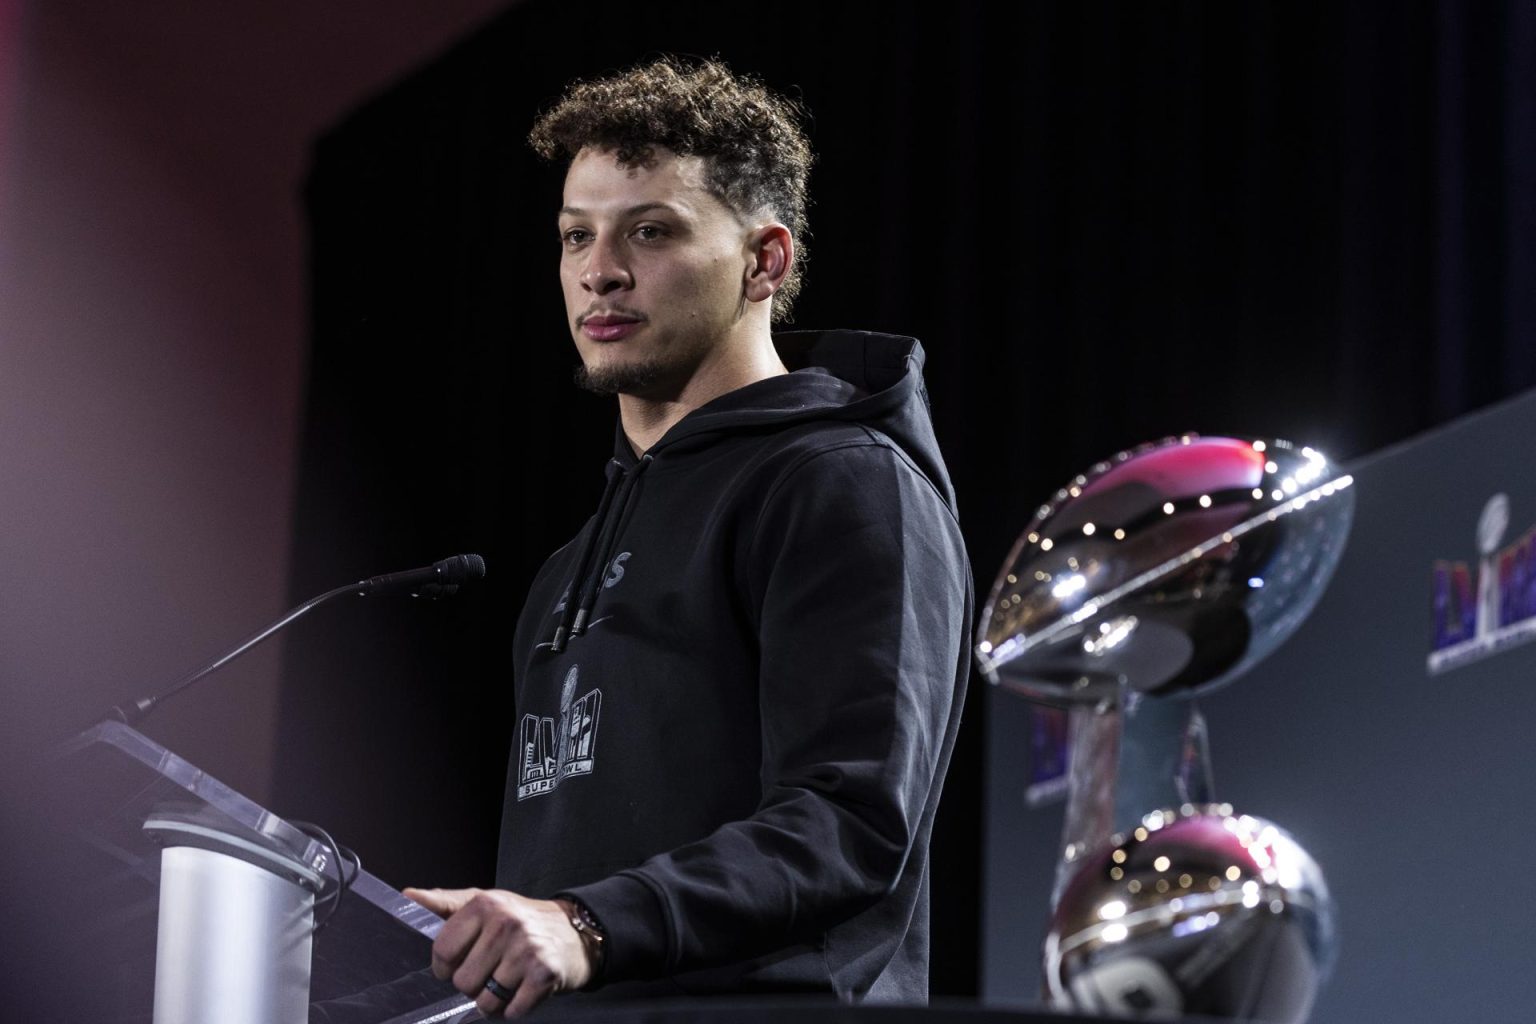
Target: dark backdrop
x=1107, y=222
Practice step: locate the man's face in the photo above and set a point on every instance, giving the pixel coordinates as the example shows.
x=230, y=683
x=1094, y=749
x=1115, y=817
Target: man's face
x=653, y=268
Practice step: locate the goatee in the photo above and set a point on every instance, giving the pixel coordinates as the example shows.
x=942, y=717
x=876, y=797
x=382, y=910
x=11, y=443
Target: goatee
x=625, y=379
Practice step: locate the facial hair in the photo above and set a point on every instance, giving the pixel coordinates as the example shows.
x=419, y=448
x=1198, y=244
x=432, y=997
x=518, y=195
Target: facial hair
x=664, y=371
x=624, y=379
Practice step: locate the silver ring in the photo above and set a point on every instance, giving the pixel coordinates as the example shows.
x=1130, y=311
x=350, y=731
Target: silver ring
x=498, y=990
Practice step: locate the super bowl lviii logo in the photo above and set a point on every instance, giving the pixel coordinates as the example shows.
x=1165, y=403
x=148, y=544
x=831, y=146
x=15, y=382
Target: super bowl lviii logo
x=1485, y=609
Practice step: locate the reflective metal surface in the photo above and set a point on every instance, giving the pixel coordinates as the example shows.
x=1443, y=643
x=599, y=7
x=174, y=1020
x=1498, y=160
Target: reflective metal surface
x=1196, y=911
x=1169, y=569
x=234, y=941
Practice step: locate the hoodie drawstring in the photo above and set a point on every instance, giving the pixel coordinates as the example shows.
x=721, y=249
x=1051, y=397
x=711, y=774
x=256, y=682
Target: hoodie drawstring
x=609, y=488
x=590, y=570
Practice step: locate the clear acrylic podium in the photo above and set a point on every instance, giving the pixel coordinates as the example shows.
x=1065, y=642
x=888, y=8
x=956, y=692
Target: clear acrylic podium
x=119, y=806
x=201, y=904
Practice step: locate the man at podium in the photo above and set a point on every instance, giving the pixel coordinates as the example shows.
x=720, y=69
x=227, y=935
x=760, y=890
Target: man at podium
x=738, y=686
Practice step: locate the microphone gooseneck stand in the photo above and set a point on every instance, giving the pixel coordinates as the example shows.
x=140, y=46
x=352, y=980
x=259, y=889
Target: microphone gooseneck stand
x=440, y=579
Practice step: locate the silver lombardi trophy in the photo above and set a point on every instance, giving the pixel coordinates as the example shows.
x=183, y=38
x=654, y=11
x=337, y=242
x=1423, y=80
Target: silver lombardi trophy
x=1157, y=575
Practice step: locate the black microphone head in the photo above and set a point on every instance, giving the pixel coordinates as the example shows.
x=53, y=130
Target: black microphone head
x=440, y=579
x=460, y=569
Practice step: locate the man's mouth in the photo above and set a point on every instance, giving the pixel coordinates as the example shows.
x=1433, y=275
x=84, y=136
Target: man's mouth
x=609, y=326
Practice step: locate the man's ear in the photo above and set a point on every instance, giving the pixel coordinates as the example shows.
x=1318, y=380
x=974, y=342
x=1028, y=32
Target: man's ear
x=770, y=252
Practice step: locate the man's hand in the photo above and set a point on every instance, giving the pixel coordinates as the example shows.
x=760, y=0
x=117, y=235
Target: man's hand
x=527, y=947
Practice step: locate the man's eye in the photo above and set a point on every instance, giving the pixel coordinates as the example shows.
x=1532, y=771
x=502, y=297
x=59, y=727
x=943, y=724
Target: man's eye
x=575, y=236
x=649, y=232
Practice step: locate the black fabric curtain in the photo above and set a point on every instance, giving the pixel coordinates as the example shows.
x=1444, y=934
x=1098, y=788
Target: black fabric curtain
x=1107, y=223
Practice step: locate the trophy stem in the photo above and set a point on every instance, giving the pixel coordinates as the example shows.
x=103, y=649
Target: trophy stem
x=1093, y=752
x=1196, y=781
x=1128, y=757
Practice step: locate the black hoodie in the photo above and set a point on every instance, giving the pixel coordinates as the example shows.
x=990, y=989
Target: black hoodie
x=739, y=687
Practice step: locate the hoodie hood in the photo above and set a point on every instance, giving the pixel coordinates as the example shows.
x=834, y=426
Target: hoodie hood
x=852, y=376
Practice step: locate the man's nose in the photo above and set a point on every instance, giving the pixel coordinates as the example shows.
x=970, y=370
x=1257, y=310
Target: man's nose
x=606, y=269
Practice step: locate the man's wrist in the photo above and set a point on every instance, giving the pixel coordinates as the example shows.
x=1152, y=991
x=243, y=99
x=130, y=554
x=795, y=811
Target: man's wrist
x=594, y=938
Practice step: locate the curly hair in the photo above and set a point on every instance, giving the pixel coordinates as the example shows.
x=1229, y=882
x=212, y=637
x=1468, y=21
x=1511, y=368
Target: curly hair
x=756, y=157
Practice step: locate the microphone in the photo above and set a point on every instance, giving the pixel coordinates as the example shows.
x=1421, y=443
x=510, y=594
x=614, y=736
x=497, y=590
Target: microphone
x=440, y=579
